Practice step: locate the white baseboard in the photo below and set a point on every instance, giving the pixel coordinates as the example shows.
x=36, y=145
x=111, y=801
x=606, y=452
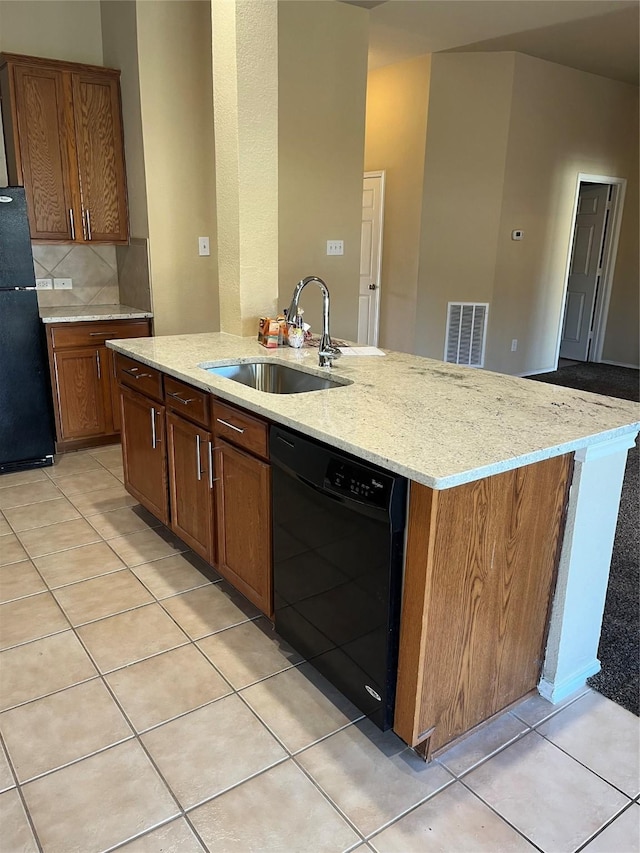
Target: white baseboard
x=536, y=372
x=556, y=692
x=618, y=364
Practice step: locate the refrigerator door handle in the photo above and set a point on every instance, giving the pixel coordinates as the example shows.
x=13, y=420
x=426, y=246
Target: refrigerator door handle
x=72, y=224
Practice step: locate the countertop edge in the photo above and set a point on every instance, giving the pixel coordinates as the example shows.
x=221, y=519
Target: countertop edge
x=118, y=313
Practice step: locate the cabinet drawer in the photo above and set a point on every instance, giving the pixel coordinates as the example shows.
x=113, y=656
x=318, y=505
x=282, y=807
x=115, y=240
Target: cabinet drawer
x=96, y=333
x=187, y=401
x=241, y=428
x=146, y=380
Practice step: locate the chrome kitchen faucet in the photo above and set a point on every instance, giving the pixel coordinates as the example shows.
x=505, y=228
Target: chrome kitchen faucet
x=327, y=351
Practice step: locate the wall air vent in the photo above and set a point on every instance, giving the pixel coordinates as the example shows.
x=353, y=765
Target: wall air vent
x=466, y=333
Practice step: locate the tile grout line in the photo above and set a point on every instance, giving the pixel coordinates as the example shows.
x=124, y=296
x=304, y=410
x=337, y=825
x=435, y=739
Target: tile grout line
x=20, y=793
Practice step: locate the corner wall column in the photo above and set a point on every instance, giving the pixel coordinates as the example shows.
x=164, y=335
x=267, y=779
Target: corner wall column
x=245, y=96
x=576, y=617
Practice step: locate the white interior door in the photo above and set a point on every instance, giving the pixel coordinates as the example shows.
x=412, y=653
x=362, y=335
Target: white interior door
x=371, y=258
x=585, y=271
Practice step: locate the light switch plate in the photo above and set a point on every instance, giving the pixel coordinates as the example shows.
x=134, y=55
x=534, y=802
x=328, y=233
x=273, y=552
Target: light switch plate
x=62, y=284
x=335, y=247
x=44, y=284
x=203, y=246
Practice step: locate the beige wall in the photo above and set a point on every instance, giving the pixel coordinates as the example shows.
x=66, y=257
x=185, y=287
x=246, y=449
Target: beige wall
x=396, y=127
x=468, y=127
x=174, y=54
x=563, y=122
x=322, y=54
x=60, y=29
x=507, y=136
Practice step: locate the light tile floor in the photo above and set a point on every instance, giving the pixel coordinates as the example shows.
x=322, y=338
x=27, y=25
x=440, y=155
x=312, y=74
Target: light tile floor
x=146, y=706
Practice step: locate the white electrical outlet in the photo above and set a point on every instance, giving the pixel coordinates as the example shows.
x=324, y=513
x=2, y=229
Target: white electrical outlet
x=203, y=246
x=514, y=345
x=44, y=284
x=63, y=284
x=335, y=247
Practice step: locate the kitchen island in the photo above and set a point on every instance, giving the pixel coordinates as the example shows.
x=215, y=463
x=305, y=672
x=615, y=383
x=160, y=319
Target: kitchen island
x=515, y=488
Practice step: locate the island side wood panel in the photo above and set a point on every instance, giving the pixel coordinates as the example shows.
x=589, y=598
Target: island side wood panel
x=481, y=564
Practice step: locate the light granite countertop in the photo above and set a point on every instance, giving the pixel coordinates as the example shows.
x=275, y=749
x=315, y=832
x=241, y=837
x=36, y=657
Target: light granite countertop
x=439, y=424
x=84, y=313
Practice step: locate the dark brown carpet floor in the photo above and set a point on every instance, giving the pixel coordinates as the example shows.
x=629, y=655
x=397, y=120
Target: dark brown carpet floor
x=619, y=650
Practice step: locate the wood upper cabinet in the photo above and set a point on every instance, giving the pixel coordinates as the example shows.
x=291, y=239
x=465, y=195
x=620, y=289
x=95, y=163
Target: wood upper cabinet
x=191, y=481
x=144, y=452
x=86, y=397
x=243, y=498
x=63, y=136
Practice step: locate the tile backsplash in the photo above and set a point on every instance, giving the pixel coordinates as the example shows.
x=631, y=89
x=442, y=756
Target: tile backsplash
x=94, y=271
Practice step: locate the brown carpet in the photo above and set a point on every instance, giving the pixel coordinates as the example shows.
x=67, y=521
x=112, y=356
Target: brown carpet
x=619, y=650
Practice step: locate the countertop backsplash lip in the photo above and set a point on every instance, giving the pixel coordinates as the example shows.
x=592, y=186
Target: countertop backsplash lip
x=439, y=424
x=91, y=313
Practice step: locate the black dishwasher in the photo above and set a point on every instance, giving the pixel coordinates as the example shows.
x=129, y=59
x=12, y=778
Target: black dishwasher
x=338, y=538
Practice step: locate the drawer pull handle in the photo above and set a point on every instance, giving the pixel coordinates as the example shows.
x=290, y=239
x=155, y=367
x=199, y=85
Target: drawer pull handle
x=72, y=224
x=231, y=426
x=153, y=429
x=181, y=399
x=88, y=218
x=98, y=364
x=198, y=468
x=98, y=334
x=134, y=372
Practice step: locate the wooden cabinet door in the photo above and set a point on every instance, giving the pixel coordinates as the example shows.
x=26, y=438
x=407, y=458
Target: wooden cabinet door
x=79, y=390
x=243, y=498
x=191, y=485
x=45, y=151
x=100, y=153
x=144, y=452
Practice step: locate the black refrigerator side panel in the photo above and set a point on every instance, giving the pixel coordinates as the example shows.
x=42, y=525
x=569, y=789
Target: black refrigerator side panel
x=26, y=423
x=16, y=259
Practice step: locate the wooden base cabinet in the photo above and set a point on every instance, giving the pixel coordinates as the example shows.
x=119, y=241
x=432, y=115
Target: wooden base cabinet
x=480, y=568
x=83, y=381
x=191, y=483
x=144, y=452
x=243, y=498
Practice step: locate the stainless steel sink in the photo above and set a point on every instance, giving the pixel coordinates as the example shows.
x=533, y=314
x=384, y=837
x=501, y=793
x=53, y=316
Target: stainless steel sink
x=275, y=378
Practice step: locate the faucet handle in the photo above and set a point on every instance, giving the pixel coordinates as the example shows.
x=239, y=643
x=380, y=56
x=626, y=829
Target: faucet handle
x=327, y=352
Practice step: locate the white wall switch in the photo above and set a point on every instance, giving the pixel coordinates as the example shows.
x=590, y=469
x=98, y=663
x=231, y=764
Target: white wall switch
x=335, y=247
x=62, y=284
x=517, y=234
x=514, y=345
x=203, y=246
x=44, y=284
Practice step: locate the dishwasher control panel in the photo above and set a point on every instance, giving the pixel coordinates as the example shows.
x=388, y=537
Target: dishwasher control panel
x=357, y=482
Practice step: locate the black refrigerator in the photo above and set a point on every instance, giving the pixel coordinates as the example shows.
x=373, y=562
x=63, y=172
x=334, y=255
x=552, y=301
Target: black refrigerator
x=26, y=422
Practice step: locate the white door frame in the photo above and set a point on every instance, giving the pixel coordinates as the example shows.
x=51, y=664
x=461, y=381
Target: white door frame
x=612, y=237
x=382, y=175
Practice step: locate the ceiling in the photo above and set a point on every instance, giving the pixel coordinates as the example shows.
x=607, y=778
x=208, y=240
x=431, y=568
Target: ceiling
x=598, y=36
